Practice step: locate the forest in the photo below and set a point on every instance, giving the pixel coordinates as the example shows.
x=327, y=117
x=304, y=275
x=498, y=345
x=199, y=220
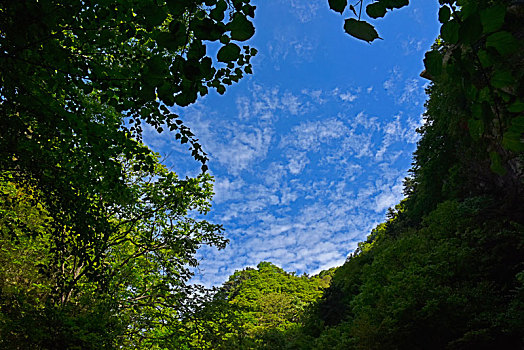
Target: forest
x=99, y=238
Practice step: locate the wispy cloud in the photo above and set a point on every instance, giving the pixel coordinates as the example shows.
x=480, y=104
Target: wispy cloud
x=298, y=182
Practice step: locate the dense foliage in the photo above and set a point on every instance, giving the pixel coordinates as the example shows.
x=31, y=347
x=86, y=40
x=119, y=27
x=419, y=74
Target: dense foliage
x=96, y=235
x=258, y=308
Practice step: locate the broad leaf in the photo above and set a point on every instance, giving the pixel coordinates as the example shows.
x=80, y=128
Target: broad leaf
x=485, y=58
x=470, y=30
x=496, y=164
x=394, y=4
x=433, y=63
x=360, y=30
x=492, y=18
x=337, y=5
x=502, y=78
x=228, y=53
x=450, y=32
x=241, y=28
x=513, y=141
x=516, y=107
x=476, y=128
x=503, y=42
x=376, y=10
x=444, y=13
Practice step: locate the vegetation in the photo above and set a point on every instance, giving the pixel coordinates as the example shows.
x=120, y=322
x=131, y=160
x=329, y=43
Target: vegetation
x=258, y=308
x=96, y=235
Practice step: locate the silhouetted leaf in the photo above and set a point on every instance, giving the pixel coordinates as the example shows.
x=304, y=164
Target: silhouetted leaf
x=360, y=30
x=470, y=30
x=444, y=13
x=376, y=10
x=228, y=53
x=241, y=28
x=337, y=5
x=450, y=32
x=433, y=63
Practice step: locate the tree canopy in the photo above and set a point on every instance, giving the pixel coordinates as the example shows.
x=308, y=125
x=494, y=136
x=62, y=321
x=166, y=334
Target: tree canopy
x=89, y=211
x=97, y=236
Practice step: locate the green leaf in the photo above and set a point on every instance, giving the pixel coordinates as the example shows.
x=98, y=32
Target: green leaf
x=503, y=42
x=476, y=128
x=517, y=107
x=394, y=4
x=360, y=30
x=228, y=53
x=337, y=5
x=169, y=41
x=450, y=32
x=444, y=14
x=433, y=63
x=154, y=15
x=207, y=29
x=485, y=58
x=241, y=28
x=218, y=13
x=492, y=18
x=496, y=164
x=185, y=98
x=376, y=10
x=517, y=124
x=502, y=78
x=513, y=141
x=470, y=30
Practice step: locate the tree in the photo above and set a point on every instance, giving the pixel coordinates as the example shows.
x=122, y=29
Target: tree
x=76, y=89
x=78, y=83
x=259, y=308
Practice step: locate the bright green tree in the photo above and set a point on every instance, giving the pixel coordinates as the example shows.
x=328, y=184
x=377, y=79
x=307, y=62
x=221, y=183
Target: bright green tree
x=79, y=81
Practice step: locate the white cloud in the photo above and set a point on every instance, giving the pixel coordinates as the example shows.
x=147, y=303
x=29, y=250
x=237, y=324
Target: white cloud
x=300, y=192
x=297, y=162
x=348, y=97
x=242, y=148
x=304, y=11
x=411, y=45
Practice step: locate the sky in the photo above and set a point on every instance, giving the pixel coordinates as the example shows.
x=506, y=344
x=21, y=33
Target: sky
x=310, y=150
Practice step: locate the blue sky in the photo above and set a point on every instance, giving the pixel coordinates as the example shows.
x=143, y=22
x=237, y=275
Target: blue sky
x=309, y=151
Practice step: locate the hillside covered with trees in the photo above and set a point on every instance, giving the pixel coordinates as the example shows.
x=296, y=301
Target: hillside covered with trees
x=97, y=236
